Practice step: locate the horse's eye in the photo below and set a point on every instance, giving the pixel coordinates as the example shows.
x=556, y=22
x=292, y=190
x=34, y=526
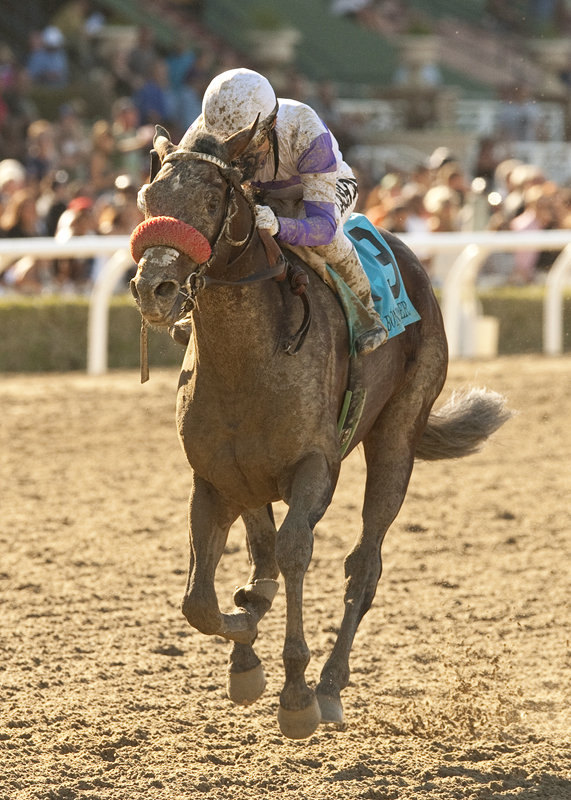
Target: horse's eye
x=212, y=202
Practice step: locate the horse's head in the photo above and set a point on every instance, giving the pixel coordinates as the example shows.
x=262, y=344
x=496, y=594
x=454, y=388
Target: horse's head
x=189, y=206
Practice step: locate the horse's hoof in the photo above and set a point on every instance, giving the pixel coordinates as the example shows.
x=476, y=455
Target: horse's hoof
x=244, y=688
x=331, y=709
x=299, y=724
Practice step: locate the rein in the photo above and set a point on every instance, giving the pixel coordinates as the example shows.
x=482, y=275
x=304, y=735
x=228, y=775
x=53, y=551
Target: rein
x=163, y=230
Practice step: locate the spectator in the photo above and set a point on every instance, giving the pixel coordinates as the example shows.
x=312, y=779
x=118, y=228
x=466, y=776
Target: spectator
x=124, y=201
x=48, y=63
x=522, y=177
x=325, y=105
x=19, y=221
x=442, y=204
x=8, y=68
x=41, y=153
x=179, y=63
x=397, y=216
x=75, y=274
x=12, y=179
x=538, y=214
x=133, y=141
x=189, y=105
x=154, y=100
x=53, y=201
x=382, y=198
x=486, y=161
x=103, y=162
x=141, y=58
x=417, y=219
x=71, y=141
x=70, y=19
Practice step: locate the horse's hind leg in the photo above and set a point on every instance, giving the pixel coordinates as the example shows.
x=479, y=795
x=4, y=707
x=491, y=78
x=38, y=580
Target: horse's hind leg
x=246, y=680
x=389, y=451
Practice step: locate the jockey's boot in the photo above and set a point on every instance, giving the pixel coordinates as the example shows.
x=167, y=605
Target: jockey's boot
x=181, y=330
x=376, y=336
x=372, y=333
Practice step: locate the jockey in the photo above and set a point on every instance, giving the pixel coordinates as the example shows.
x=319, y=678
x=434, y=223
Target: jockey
x=293, y=156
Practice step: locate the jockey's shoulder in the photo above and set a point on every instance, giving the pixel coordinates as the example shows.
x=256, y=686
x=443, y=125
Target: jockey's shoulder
x=294, y=115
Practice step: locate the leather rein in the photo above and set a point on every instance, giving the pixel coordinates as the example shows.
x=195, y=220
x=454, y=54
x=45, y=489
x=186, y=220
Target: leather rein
x=279, y=267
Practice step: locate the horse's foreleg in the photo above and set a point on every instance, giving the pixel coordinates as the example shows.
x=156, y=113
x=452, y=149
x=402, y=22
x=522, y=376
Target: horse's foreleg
x=390, y=457
x=308, y=497
x=210, y=518
x=246, y=680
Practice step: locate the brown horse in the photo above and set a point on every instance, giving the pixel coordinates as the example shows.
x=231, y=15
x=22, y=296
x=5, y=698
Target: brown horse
x=258, y=425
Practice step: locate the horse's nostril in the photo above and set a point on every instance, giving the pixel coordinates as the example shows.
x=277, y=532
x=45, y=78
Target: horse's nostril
x=167, y=289
x=134, y=291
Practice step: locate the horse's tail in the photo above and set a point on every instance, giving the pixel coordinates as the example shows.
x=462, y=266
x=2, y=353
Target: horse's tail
x=462, y=425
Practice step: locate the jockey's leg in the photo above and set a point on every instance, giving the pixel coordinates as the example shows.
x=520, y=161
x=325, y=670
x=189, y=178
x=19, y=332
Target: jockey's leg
x=341, y=256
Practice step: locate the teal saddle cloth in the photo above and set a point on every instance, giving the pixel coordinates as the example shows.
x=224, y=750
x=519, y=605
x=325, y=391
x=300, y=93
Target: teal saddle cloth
x=389, y=294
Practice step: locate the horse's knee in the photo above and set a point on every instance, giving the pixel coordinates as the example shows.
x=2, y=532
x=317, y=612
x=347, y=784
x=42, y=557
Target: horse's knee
x=202, y=615
x=294, y=548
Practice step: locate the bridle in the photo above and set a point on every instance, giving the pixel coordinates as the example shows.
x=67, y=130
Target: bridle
x=199, y=278
x=278, y=267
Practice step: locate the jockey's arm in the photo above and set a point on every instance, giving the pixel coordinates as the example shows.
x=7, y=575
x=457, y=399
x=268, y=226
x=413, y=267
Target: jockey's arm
x=317, y=169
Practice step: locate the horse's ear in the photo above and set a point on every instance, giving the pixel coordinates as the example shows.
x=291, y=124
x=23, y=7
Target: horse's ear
x=162, y=142
x=155, y=165
x=238, y=142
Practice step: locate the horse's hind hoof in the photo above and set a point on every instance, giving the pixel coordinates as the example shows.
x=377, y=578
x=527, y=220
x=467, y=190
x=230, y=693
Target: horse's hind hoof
x=244, y=688
x=331, y=710
x=299, y=724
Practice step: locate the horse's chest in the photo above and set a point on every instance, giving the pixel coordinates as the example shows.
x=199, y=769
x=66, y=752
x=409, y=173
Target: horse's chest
x=236, y=453
x=245, y=437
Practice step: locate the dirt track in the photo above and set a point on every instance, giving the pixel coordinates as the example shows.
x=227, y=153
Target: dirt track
x=460, y=672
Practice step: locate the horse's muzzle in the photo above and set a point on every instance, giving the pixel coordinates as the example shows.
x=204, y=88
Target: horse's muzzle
x=157, y=294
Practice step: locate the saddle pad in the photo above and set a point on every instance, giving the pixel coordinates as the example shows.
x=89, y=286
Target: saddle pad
x=388, y=290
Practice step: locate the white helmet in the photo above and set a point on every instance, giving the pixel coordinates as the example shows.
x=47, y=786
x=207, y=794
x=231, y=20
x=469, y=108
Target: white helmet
x=234, y=99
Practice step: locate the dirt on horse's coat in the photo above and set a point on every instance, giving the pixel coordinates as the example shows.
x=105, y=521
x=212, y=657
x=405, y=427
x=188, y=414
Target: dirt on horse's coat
x=259, y=426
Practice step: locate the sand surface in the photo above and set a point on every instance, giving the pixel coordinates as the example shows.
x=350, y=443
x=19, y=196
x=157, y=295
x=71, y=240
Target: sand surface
x=460, y=683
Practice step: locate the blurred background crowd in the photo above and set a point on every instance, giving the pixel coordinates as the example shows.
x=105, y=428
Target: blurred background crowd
x=82, y=84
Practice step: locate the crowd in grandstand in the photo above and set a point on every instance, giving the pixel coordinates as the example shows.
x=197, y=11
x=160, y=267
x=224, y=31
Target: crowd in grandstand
x=77, y=175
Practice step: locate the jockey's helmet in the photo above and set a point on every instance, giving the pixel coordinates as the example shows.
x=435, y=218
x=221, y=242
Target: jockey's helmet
x=233, y=100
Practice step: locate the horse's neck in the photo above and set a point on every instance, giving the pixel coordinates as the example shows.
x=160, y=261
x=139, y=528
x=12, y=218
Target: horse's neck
x=238, y=329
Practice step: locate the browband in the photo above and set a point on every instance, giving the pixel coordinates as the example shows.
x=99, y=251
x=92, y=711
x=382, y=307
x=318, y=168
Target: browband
x=188, y=155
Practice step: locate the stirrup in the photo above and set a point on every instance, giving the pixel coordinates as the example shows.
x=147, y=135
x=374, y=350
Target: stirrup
x=370, y=340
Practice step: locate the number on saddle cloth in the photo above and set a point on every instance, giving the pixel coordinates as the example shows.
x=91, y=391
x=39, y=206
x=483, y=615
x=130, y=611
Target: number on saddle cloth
x=388, y=290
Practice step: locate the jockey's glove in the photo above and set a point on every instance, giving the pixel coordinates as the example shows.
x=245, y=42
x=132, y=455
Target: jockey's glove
x=265, y=218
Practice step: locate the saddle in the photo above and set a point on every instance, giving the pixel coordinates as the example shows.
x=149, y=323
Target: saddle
x=389, y=296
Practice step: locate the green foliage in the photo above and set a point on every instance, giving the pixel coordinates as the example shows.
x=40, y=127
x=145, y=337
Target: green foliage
x=44, y=334
x=520, y=311
x=50, y=334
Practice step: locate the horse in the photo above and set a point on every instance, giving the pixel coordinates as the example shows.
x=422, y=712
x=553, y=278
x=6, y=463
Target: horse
x=258, y=418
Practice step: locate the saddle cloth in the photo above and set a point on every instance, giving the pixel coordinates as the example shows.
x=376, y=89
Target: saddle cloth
x=389, y=294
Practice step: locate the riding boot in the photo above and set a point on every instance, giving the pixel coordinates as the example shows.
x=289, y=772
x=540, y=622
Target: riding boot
x=181, y=330
x=373, y=332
